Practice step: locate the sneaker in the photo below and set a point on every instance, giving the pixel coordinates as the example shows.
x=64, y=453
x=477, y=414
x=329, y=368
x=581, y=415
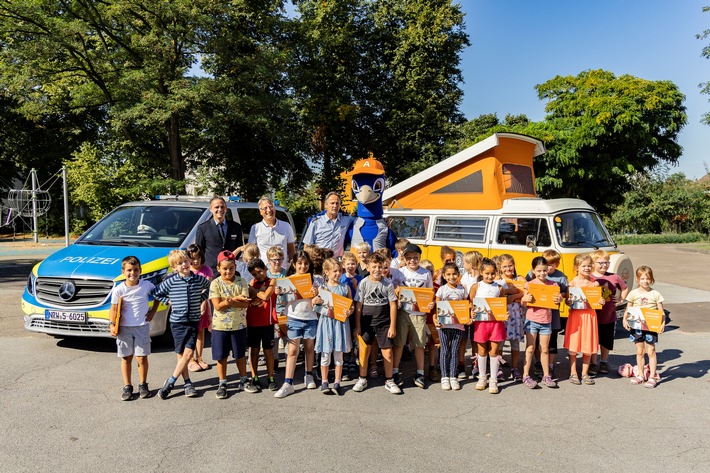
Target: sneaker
x=529, y=382
x=144, y=391
x=190, y=390
x=434, y=374
x=222, y=391
x=455, y=385
x=515, y=374
x=250, y=387
x=324, y=389
x=420, y=382
x=261, y=361
x=360, y=385
x=286, y=390
x=239, y=386
x=592, y=370
x=501, y=376
x=549, y=382
x=603, y=367
x=397, y=379
x=445, y=384
x=392, y=387
x=164, y=392
x=335, y=389
x=273, y=386
x=309, y=382
x=493, y=388
x=346, y=376
x=538, y=368
x=462, y=375
x=481, y=384
x=127, y=393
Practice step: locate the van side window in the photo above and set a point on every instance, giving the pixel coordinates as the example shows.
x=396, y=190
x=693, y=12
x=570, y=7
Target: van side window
x=518, y=179
x=410, y=227
x=523, y=231
x=461, y=229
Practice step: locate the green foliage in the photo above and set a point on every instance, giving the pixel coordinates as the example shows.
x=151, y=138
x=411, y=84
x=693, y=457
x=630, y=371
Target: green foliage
x=705, y=86
x=302, y=202
x=663, y=238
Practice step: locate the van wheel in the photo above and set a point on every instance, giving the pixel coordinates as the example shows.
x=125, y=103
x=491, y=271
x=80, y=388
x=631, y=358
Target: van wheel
x=621, y=264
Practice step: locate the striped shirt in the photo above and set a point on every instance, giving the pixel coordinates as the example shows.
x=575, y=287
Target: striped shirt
x=185, y=295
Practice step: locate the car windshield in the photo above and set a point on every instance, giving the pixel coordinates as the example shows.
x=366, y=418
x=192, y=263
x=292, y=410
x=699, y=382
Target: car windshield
x=581, y=230
x=148, y=225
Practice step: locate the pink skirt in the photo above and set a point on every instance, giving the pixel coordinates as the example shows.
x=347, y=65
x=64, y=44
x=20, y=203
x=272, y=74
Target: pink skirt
x=581, y=332
x=492, y=331
x=206, y=317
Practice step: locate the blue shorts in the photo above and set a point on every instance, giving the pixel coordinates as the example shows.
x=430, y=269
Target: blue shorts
x=641, y=336
x=302, y=328
x=184, y=335
x=538, y=328
x=226, y=341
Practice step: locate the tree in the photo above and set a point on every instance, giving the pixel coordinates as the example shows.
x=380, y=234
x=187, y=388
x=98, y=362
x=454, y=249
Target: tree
x=705, y=86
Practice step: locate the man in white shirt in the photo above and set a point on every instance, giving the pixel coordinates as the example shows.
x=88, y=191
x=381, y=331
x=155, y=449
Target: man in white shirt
x=329, y=230
x=272, y=232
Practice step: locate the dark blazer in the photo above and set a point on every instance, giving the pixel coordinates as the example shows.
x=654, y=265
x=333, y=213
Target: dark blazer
x=208, y=238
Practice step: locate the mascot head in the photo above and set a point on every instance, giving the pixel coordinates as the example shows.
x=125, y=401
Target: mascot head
x=368, y=181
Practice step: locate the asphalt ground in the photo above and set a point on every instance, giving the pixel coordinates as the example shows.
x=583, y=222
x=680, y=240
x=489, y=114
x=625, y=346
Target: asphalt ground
x=61, y=408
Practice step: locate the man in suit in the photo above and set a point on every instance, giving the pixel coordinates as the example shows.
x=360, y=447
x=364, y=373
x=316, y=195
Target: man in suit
x=218, y=234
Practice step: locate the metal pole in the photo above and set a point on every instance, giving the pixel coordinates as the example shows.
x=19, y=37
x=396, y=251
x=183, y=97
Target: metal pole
x=33, y=174
x=66, y=206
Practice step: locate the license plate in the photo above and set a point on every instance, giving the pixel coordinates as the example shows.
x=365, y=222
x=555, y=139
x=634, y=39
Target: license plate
x=65, y=316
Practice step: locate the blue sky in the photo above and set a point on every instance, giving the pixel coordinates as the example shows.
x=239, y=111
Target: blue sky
x=516, y=44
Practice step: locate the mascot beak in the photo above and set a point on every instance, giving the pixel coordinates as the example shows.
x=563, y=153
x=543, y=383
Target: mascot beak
x=367, y=195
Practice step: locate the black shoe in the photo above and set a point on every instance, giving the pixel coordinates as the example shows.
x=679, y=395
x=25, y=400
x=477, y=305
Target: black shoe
x=144, y=391
x=324, y=389
x=164, y=392
x=273, y=386
x=190, y=390
x=250, y=387
x=222, y=391
x=257, y=384
x=335, y=389
x=397, y=379
x=127, y=394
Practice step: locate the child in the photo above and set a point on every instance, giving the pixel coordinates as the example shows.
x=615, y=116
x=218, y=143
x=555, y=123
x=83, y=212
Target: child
x=185, y=292
x=250, y=251
x=133, y=330
x=261, y=317
x=514, y=324
x=275, y=254
x=333, y=337
x=487, y=334
x=471, y=262
x=434, y=371
x=450, y=335
x=410, y=320
x=352, y=279
x=538, y=324
x=448, y=255
x=302, y=324
x=362, y=250
x=581, y=333
x=645, y=296
x=198, y=266
x=606, y=317
x=376, y=318
x=399, y=246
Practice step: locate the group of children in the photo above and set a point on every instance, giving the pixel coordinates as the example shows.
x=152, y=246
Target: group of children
x=245, y=304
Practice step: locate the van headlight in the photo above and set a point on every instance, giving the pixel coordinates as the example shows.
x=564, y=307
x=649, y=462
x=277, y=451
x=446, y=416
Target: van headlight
x=155, y=277
x=31, y=284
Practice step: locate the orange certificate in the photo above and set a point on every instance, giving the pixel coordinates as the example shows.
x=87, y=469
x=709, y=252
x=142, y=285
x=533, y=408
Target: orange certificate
x=114, y=331
x=283, y=325
x=490, y=309
x=361, y=351
x=518, y=283
x=434, y=334
x=453, y=312
x=415, y=299
x=543, y=295
x=338, y=307
x=593, y=295
x=303, y=284
x=654, y=319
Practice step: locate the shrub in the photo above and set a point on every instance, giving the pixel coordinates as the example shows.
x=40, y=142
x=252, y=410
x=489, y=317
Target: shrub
x=665, y=238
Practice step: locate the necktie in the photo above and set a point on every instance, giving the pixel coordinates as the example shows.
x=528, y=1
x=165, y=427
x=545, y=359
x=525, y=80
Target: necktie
x=223, y=231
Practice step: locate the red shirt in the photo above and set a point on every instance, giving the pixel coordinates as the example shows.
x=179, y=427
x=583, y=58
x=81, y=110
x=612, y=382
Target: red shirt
x=265, y=313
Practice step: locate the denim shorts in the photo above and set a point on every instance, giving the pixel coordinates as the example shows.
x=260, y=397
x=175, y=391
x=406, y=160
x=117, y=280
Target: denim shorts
x=302, y=328
x=538, y=328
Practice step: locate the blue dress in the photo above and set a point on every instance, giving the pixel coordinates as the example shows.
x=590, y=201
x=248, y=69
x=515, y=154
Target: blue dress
x=333, y=335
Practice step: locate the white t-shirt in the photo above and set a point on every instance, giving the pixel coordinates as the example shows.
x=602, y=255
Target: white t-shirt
x=468, y=280
x=134, y=303
x=281, y=234
x=419, y=278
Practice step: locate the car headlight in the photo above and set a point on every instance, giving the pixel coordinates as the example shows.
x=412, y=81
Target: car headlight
x=155, y=277
x=31, y=284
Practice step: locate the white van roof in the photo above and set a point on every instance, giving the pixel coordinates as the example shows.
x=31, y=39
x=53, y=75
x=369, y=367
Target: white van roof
x=521, y=205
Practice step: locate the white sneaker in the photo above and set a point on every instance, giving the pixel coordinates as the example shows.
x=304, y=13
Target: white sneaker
x=481, y=384
x=455, y=385
x=493, y=388
x=392, y=387
x=286, y=390
x=310, y=384
x=360, y=385
x=445, y=384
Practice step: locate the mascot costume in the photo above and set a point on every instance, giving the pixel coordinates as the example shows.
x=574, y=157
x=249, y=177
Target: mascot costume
x=368, y=184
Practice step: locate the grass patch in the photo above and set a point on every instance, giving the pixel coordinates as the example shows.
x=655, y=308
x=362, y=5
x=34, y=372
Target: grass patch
x=664, y=238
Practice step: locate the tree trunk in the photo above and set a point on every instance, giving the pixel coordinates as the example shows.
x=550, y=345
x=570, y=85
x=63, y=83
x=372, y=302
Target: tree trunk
x=175, y=149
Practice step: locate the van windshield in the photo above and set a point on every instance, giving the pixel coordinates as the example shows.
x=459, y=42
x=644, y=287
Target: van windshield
x=581, y=230
x=150, y=226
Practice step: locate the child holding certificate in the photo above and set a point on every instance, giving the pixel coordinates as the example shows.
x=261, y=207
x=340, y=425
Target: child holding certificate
x=514, y=324
x=333, y=337
x=450, y=335
x=487, y=334
x=581, y=333
x=644, y=296
x=538, y=325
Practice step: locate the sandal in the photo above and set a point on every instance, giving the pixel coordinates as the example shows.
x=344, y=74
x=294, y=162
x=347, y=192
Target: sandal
x=574, y=379
x=651, y=383
x=194, y=366
x=637, y=380
x=588, y=380
x=202, y=364
x=529, y=382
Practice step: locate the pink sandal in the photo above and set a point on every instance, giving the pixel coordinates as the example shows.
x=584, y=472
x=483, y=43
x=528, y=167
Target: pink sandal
x=651, y=383
x=637, y=380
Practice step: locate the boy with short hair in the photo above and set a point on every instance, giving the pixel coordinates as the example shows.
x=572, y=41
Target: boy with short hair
x=185, y=291
x=352, y=279
x=410, y=320
x=376, y=318
x=229, y=294
x=362, y=250
x=399, y=246
x=261, y=317
x=133, y=329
